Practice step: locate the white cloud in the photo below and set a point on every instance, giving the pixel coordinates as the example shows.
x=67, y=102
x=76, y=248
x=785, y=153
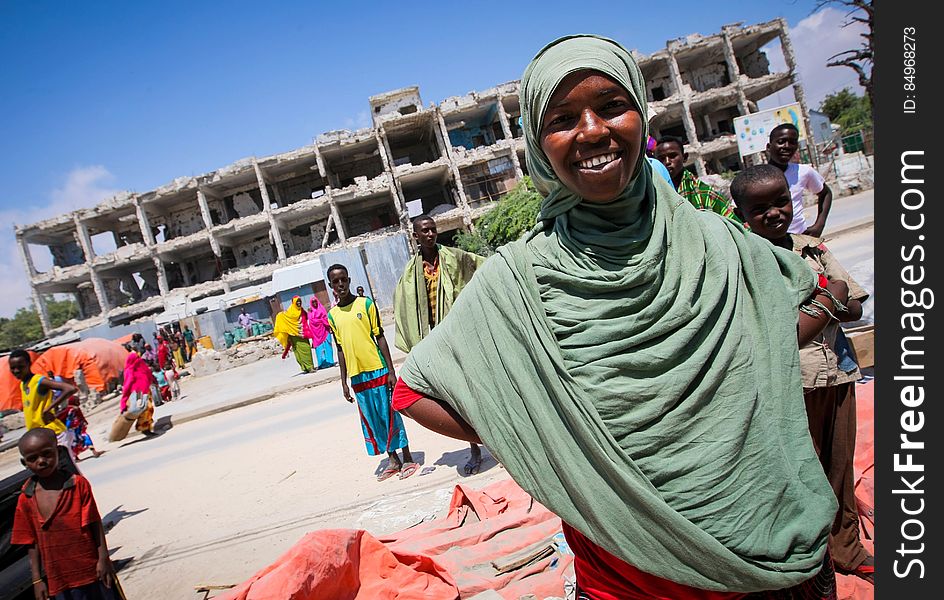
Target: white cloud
x=815, y=40
x=360, y=121
x=83, y=187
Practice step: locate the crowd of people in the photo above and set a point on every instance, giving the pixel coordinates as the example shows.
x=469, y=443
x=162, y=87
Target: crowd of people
x=660, y=367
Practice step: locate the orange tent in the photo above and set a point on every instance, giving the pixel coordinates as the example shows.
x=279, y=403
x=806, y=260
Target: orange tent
x=10, y=386
x=124, y=339
x=101, y=361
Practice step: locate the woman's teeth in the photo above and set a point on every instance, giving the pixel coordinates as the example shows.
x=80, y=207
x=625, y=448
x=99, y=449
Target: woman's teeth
x=597, y=160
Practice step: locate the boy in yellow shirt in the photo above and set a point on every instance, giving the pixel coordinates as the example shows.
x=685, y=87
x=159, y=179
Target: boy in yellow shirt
x=364, y=356
x=39, y=408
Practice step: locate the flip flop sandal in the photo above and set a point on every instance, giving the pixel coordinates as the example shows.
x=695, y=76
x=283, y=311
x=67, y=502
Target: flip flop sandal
x=388, y=473
x=473, y=466
x=408, y=469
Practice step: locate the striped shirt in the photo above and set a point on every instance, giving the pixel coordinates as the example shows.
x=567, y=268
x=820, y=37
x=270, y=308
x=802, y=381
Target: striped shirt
x=703, y=197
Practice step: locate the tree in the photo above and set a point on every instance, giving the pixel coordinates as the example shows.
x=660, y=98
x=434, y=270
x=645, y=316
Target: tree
x=847, y=110
x=25, y=326
x=22, y=329
x=514, y=215
x=859, y=59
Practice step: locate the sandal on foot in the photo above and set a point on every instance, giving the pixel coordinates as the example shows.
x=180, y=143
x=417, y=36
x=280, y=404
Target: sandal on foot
x=408, y=469
x=388, y=473
x=473, y=466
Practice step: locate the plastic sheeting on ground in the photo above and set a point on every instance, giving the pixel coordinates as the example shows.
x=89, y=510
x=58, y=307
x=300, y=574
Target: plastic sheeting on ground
x=453, y=557
x=446, y=559
x=10, y=397
x=851, y=587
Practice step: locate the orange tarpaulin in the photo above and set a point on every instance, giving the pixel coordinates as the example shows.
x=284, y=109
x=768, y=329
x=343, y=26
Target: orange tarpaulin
x=125, y=339
x=101, y=361
x=443, y=559
x=455, y=556
x=10, y=398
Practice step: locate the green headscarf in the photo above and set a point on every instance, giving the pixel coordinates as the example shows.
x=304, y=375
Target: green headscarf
x=634, y=366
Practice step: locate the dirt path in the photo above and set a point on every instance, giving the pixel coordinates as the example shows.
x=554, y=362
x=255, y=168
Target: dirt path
x=214, y=500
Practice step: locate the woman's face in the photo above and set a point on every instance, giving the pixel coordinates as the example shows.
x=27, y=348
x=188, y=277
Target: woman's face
x=592, y=135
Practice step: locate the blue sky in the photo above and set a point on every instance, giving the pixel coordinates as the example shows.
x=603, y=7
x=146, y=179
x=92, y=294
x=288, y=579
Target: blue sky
x=105, y=96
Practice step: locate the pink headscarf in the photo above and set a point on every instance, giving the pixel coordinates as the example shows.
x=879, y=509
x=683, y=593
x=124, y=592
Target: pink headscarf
x=137, y=378
x=318, y=328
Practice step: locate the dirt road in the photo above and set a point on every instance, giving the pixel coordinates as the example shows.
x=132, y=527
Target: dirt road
x=214, y=500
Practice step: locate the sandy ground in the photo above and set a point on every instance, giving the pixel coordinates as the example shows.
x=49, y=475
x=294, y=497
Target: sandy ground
x=214, y=500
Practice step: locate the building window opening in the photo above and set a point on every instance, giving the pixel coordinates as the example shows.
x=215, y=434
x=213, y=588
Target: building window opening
x=488, y=181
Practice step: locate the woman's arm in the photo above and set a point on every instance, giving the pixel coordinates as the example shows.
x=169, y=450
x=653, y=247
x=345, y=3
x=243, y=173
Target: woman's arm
x=438, y=416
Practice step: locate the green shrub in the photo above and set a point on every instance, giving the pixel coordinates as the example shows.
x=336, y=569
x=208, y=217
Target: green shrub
x=513, y=216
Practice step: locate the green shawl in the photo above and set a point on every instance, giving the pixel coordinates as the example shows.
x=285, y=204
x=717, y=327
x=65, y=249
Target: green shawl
x=411, y=302
x=634, y=366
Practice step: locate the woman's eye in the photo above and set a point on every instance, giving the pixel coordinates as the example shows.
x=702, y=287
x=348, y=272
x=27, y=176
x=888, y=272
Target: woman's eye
x=558, y=120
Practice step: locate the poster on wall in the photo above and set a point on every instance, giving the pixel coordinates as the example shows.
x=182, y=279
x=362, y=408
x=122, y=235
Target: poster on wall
x=753, y=130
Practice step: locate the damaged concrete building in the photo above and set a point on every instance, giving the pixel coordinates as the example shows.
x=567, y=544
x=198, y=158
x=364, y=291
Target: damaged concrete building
x=207, y=235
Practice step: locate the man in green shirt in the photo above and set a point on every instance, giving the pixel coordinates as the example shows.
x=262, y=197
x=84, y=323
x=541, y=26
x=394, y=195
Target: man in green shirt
x=670, y=150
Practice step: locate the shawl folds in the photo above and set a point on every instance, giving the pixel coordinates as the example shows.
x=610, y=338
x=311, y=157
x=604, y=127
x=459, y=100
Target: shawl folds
x=634, y=367
x=137, y=378
x=289, y=323
x=318, y=326
x=410, y=300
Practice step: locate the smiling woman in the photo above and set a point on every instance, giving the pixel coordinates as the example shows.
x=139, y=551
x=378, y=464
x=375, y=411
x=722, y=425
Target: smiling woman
x=622, y=364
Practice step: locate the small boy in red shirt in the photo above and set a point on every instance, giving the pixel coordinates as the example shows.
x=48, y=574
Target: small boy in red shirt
x=57, y=517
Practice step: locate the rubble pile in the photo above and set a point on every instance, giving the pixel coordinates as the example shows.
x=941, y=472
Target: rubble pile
x=208, y=361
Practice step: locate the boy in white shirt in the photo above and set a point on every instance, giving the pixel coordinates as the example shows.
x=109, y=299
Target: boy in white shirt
x=782, y=145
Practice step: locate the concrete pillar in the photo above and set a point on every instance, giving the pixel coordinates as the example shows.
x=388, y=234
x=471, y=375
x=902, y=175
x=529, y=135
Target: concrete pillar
x=321, y=164
x=143, y=222
x=328, y=225
x=85, y=241
x=40, y=303
x=100, y=294
x=161, y=276
x=463, y=200
x=790, y=58
x=734, y=72
x=386, y=157
x=208, y=221
x=506, y=129
x=687, y=120
x=331, y=178
x=706, y=120
x=338, y=223
x=277, y=194
x=440, y=144
x=267, y=208
x=503, y=119
x=25, y=256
